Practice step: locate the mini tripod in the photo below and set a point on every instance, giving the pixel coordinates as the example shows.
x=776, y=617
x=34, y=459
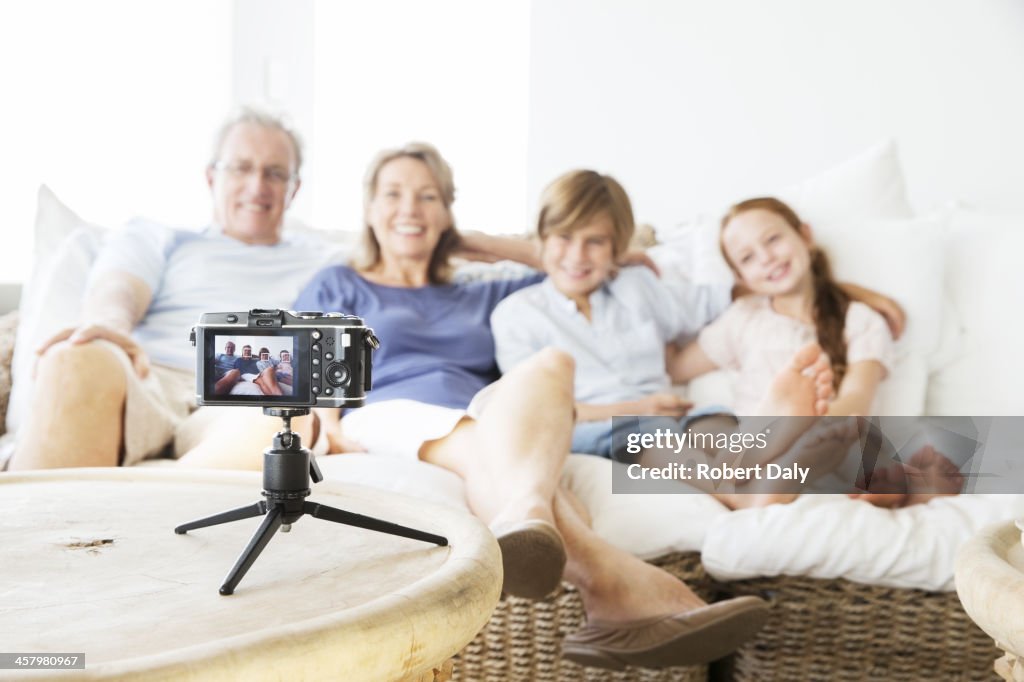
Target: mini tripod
x=287, y=468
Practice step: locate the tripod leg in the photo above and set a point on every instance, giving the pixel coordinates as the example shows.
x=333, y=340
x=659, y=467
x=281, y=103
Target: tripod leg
x=322, y=511
x=224, y=517
x=246, y=559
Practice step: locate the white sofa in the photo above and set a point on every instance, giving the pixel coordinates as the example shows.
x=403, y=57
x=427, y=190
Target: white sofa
x=954, y=270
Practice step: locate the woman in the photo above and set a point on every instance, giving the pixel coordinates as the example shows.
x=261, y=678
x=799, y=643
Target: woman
x=436, y=353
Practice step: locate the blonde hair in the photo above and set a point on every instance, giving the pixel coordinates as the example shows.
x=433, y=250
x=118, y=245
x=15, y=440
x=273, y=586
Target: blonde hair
x=830, y=301
x=576, y=197
x=439, y=270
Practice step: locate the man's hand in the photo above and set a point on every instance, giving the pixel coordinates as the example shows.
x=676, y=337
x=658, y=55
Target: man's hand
x=90, y=332
x=661, y=405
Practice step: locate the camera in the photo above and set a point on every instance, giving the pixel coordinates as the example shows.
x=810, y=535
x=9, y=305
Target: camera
x=283, y=358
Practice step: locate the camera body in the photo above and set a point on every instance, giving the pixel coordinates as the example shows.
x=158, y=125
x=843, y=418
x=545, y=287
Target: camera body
x=282, y=358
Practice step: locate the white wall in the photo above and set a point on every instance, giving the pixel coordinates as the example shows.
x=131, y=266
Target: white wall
x=113, y=103
x=356, y=78
x=694, y=104
x=273, y=68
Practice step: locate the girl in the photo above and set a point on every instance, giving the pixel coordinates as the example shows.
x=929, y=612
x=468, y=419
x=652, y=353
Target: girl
x=796, y=300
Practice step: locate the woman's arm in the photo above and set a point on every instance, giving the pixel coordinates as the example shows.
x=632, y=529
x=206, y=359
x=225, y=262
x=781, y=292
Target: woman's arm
x=858, y=388
x=489, y=248
x=893, y=313
x=688, y=363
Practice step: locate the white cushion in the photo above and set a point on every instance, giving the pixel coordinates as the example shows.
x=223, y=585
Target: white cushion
x=983, y=281
x=65, y=247
x=819, y=536
x=832, y=536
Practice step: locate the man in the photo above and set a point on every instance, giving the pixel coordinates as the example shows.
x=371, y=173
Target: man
x=120, y=387
x=226, y=371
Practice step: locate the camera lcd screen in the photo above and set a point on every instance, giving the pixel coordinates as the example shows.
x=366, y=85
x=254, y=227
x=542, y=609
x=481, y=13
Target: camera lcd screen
x=256, y=367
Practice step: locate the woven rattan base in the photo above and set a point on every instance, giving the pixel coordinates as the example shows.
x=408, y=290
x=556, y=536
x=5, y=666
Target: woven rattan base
x=833, y=630
x=522, y=641
x=837, y=630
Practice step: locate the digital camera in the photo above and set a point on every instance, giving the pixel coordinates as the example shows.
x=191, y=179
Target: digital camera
x=282, y=358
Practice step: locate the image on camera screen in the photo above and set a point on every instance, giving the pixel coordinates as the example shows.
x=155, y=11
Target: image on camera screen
x=253, y=366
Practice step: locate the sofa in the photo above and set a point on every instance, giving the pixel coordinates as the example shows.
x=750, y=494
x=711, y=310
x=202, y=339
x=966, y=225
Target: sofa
x=857, y=592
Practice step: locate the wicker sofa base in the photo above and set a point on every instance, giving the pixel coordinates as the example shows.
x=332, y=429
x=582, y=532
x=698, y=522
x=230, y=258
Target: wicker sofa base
x=838, y=630
x=818, y=630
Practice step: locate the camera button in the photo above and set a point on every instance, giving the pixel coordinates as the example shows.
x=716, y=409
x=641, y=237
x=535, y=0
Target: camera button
x=328, y=391
x=232, y=318
x=316, y=361
x=328, y=356
x=315, y=347
x=316, y=375
x=316, y=335
x=315, y=389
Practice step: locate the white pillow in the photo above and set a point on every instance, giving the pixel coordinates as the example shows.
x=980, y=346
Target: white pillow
x=868, y=186
x=832, y=536
x=984, y=279
x=65, y=247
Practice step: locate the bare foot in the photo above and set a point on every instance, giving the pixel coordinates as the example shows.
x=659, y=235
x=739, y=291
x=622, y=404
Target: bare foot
x=931, y=474
x=802, y=388
x=821, y=449
x=886, y=487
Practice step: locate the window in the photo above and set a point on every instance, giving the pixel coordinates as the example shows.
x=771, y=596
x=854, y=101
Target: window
x=113, y=104
x=453, y=74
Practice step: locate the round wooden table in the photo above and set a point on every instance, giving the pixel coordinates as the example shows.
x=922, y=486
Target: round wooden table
x=89, y=562
x=990, y=584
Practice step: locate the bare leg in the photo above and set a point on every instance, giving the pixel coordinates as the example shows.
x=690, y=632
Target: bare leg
x=228, y=438
x=77, y=415
x=511, y=457
x=267, y=381
x=615, y=585
x=224, y=384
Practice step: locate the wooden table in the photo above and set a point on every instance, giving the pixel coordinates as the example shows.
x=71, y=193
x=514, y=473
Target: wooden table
x=990, y=584
x=89, y=563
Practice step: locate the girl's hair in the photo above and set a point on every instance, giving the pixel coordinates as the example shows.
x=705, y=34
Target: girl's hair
x=830, y=301
x=439, y=270
x=264, y=350
x=577, y=197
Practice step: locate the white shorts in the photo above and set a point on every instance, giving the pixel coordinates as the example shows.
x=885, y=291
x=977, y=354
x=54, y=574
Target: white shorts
x=399, y=428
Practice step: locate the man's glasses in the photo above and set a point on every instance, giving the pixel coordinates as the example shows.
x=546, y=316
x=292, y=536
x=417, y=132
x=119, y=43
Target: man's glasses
x=275, y=175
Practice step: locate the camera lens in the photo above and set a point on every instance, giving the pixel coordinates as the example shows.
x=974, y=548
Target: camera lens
x=337, y=374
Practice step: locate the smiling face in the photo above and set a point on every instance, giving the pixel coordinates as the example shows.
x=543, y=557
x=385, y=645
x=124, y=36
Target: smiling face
x=580, y=260
x=247, y=352
x=406, y=212
x=770, y=256
x=253, y=183
x=229, y=348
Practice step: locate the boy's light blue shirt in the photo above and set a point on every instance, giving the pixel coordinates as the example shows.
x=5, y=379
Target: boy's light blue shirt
x=620, y=352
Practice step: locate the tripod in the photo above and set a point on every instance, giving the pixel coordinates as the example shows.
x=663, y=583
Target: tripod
x=287, y=468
